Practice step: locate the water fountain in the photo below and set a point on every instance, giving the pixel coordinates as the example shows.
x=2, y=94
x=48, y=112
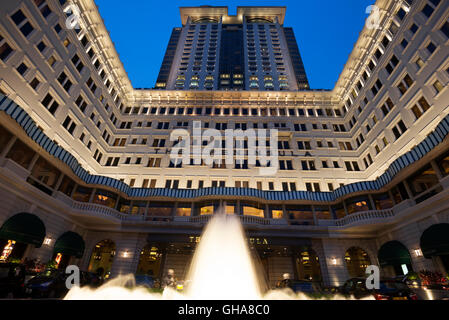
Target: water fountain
x=221, y=269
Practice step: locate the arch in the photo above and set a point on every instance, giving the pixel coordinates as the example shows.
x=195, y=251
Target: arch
x=308, y=265
x=357, y=260
x=150, y=261
x=435, y=240
x=394, y=254
x=25, y=228
x=102, y=257
x=70, y=243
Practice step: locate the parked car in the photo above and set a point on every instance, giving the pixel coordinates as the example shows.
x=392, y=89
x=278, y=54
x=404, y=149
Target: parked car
x=90, y=279
x=143, y=280
x=12, y=279
x=307, y=287
x=48, y=284
x=389, y=289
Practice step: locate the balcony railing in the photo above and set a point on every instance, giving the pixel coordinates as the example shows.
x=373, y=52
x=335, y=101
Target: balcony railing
x=373, y=216
x=365, y=216
x=98, y=209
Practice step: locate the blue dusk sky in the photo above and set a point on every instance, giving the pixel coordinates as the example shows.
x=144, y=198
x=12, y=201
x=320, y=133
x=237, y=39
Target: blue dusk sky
x=326, y=31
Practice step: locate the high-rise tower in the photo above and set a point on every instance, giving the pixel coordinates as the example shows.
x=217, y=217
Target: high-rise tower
x=217, y=51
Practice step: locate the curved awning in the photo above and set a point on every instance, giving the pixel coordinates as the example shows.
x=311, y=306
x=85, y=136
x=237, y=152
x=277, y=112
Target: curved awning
x=393, y=253
x=24, y=227
x=435, y=240
x=70, y=243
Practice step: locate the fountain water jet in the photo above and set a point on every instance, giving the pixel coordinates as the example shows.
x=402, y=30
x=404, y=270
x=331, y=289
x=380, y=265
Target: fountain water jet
x=222, y=267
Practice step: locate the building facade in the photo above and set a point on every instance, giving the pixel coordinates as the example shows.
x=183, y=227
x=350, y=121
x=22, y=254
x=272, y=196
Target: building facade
x=85, y=169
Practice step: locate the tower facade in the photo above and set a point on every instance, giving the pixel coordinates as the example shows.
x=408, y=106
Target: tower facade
x=249, y=51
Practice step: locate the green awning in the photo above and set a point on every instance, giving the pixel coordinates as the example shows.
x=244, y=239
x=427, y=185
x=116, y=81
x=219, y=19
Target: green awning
x=393, y=253
x=435, y=240
x=70, y=243
x=24, y=227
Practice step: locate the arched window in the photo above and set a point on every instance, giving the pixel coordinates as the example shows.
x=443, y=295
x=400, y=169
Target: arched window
x=102, y=257
x=357, y=260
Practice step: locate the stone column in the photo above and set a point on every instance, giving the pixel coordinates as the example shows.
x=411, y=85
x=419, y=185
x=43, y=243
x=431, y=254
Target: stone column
x=338, y=272
x=8, y=147
x=436, y=169
x=127, y=256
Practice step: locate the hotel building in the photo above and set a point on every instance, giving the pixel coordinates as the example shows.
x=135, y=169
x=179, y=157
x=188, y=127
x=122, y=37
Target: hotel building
x=85, y=170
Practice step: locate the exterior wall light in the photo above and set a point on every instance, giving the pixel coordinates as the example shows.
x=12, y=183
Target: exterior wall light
x=418, y=252
x=334, y=261
x=126, y=254
x=47, y=241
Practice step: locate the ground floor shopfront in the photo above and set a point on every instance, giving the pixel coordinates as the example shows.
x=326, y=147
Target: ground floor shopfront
x=325, y=260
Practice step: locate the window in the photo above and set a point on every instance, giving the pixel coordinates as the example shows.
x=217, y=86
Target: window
x=21, y=22
x=401, y=14
x=43, y=8
x=64, y=81
x=41, y=46
x=445, y=29
x=420, y=108
x=285, y=165
x=22, y=68
x=387, y=106
x=51, y=61
x=428, y=9
x=431, y=47
x=308, y=165
x=158, y=143
x=77, y=63
x=352, y=166
x=399, y=129
x=91, y=85
x=345, y=145
x=300, y=127
x=50, y=103
x=404, y=43
x=377, y=86
x=392, y=64
x=419, y=63
x=438, y=86
x=405, y=84
x=5, y=49
x=34, y=83
x=81, y=103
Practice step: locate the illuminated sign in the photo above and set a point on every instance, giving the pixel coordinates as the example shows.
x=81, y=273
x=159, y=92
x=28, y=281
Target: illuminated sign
x=58, y=258
x=7, y=250
x=196, y=239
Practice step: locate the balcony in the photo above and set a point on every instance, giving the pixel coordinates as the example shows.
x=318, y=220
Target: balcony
x=99, y=211
x=245, y=220
x=365, y=217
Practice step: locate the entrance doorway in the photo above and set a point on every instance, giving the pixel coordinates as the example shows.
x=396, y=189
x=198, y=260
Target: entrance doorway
x=102, y=258
x=12, y=250
x=150, y=261
x=357, y=260
x=308, y=266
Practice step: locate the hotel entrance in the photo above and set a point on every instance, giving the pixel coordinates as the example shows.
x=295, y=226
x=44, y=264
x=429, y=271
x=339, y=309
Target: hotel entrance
x=102, y=257
x=19, y=233
x=150, y=261
x=308, y=266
